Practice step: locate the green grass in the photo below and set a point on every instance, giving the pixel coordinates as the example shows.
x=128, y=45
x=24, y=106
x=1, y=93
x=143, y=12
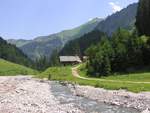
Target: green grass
x=134, y=87
x=11, y=69
x=135, y=77
x=65, y=74
x=139, y=77
x=58, y=73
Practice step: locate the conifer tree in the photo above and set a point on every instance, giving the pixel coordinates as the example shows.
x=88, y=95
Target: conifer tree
x=143, y=17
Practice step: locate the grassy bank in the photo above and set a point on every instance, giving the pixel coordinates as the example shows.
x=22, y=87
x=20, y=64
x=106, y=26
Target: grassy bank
x=134, y=77
x=121, y=80
x=8, y=68
x=65, y=74
x=58, y=73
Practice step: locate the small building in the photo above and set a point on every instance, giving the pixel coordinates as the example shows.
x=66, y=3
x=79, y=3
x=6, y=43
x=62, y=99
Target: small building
x=70, y=60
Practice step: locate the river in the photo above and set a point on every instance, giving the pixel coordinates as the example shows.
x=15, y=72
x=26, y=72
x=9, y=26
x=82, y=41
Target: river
x=65, y=96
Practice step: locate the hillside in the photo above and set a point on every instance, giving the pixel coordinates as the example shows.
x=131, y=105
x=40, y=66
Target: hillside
x=44, y=45
x=123, y=19
x=18, y=43
x=9, y=68
x=12, y=53
x=79, y=45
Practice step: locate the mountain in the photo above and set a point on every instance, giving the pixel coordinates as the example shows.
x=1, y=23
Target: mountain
x=12, y=53
x=44, y=45
x=79, y=45
x=122, y=19
x=18, y=43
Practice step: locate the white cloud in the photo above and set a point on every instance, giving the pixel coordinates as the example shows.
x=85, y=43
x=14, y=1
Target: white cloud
x=115, y=7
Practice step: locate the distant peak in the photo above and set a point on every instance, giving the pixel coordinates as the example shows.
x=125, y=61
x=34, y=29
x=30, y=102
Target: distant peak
x=96, y=19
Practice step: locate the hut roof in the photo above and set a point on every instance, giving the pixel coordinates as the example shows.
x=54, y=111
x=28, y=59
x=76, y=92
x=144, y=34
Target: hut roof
x=70, y=59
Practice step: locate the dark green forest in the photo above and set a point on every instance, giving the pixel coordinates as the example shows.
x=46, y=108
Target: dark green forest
x=12, y=53
x=143, y=17
x=126, y=51
x=44, y=62
x=123, y=52
x=79, y=45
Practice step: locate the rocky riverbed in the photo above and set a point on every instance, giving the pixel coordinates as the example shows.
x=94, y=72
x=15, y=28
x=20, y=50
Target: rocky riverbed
x=140, y=101
x=27, y=95
x=24, y=94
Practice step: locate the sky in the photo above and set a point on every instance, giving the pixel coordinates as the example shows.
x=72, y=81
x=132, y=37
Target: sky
x=27, y=19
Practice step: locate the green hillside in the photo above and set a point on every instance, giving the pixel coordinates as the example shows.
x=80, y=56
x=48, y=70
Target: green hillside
x=45, y=45
x=11, y=53
x=79, y=45
x=9, y=68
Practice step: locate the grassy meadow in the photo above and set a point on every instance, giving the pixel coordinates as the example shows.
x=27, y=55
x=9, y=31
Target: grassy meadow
x=10, y=69
x=65, y=74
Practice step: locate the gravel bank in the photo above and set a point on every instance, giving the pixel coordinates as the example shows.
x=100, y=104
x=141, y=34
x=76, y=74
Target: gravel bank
x=140, y=101
x=27, y=95
x=23, y=94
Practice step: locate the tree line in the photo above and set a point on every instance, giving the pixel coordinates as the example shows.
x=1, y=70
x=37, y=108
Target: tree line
x=44, y=62
x=79, y=45
x=125, y=51
x=12, y=53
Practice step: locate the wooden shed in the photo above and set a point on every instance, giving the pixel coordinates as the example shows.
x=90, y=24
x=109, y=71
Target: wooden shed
x=70, y=60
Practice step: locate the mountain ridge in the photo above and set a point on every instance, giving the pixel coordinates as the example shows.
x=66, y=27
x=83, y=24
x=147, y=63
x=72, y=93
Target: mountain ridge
x=124, y=19
x=45, y=45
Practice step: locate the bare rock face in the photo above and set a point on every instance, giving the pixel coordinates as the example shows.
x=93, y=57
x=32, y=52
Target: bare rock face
x=27, y=95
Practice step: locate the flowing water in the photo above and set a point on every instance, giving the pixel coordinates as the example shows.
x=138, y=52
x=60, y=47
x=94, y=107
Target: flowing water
x=64, y=95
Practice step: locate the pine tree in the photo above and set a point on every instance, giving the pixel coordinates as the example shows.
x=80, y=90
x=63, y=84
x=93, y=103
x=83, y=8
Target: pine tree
x=54, y=59
x=143, y=17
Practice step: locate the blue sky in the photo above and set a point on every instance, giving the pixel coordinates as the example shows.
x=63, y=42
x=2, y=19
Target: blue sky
x=27, y=19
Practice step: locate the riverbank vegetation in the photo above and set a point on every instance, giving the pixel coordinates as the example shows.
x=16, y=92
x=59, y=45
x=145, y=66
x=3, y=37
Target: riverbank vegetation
x=65, y=74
